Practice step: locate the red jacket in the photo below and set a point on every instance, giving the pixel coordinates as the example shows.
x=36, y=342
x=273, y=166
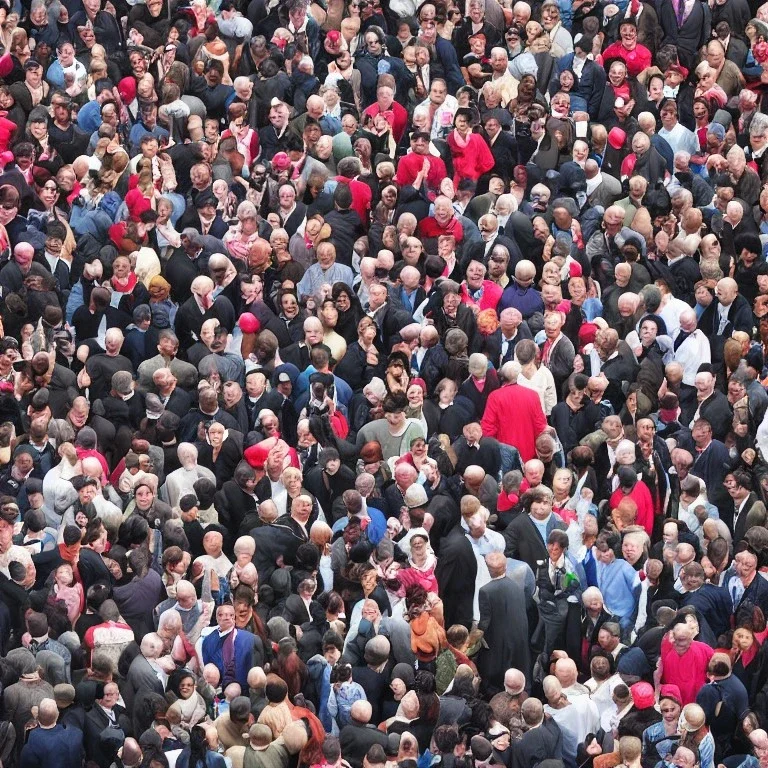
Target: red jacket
x=528, y=423
x=472, y=161
x=642, y=497
x=636, y=60
x=408, y=168
x=396, y=115
x=430, y=228
x=490, y=298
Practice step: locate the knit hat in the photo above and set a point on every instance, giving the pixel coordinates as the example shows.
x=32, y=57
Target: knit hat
x=633, y=662
x=187, y=502
x=643, y=695
x=154, y=407
x=122, y=382
x=671, y=692
x=281, y=162
x=616, y=137
x=405, y=673
x=415, y=496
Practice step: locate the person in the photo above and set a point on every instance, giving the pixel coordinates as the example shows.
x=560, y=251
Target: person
x=500, y=600
x=51, y=742
x=233, y=651
x=511, y=397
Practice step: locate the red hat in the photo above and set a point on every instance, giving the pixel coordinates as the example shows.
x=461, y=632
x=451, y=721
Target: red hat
x=671, y=692
x=679, y=68
x=574, y=269
x=256, y=455
x=643, y=695
x=127, y=89
x=587, y=334
x=333, y=35
x=249, y=323
x=617, y=137
x=281, y=161
x=419, y=382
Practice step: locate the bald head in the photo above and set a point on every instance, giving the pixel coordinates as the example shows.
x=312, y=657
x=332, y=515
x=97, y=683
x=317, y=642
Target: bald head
x=361, y=712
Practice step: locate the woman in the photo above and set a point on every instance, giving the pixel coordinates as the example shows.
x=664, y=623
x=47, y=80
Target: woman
x=744, y=650
x=660, y=739
x=127, y=290
x=482, y=380
x=291, y=315
x=146, y=504
x=361, y=361
x=455, y=411
x=329, y=317
x=420, y=408
x=421, y=564
x=190, y=703
x=198, y=754
x=371, y=462
x=37, y=136
x=350, y=311
x=247, y=138
x=221, y=453
x=470, y=154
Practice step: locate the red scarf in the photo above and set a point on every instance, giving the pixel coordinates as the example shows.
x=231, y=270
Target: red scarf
x=127, y=286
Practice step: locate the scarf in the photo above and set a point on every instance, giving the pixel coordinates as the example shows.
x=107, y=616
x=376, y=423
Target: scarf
x=463, y=143
x=69, y=552
x=127, y=285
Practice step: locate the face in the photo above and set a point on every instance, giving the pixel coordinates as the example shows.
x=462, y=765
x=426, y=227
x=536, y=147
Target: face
x=225, y=616
x=670, y=711
x=617, y=73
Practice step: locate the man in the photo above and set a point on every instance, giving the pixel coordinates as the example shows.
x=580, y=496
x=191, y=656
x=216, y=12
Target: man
x=528, y=533
x=576, y=717
x=233, y=651
x=419, y=167
x=749, y=511
x=359, y=735
x=637, y=57
x=712, y=603
x=724, y=700
x=145, y=673
x=590, y=76
x=542, y=739
x=168, y=347
x=745, y=584
x=503, y=624
x=512, y=398
x=499, y=347
x=712, y=405
x=99, y=369
x=684, y=662
x=52, y=745
x=210, y=90
x=326, y=270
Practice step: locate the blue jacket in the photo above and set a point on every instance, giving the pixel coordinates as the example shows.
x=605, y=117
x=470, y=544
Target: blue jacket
x=213, y=654
x=57, y=747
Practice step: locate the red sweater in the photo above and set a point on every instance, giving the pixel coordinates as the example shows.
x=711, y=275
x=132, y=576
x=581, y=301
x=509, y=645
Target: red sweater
x=361, y=197
x=430, y=228
x=522, y=430
x=472, y=161
x=396, y=115
x=408, y=168
x=642, y=497
x=636, y=60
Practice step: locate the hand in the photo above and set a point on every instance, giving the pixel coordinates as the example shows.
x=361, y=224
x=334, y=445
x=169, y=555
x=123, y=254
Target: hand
x=83, y=379
x=372, y=356
x=425, y=166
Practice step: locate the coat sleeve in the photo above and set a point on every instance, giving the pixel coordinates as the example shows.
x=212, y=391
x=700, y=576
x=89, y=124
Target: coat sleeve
x=489, y=423
x=485, y=610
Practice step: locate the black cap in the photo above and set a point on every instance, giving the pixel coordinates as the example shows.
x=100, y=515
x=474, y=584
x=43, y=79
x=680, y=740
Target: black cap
x=32, y=64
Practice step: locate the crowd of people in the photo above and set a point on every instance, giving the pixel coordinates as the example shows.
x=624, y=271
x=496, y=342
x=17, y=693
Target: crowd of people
x=383, y=384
